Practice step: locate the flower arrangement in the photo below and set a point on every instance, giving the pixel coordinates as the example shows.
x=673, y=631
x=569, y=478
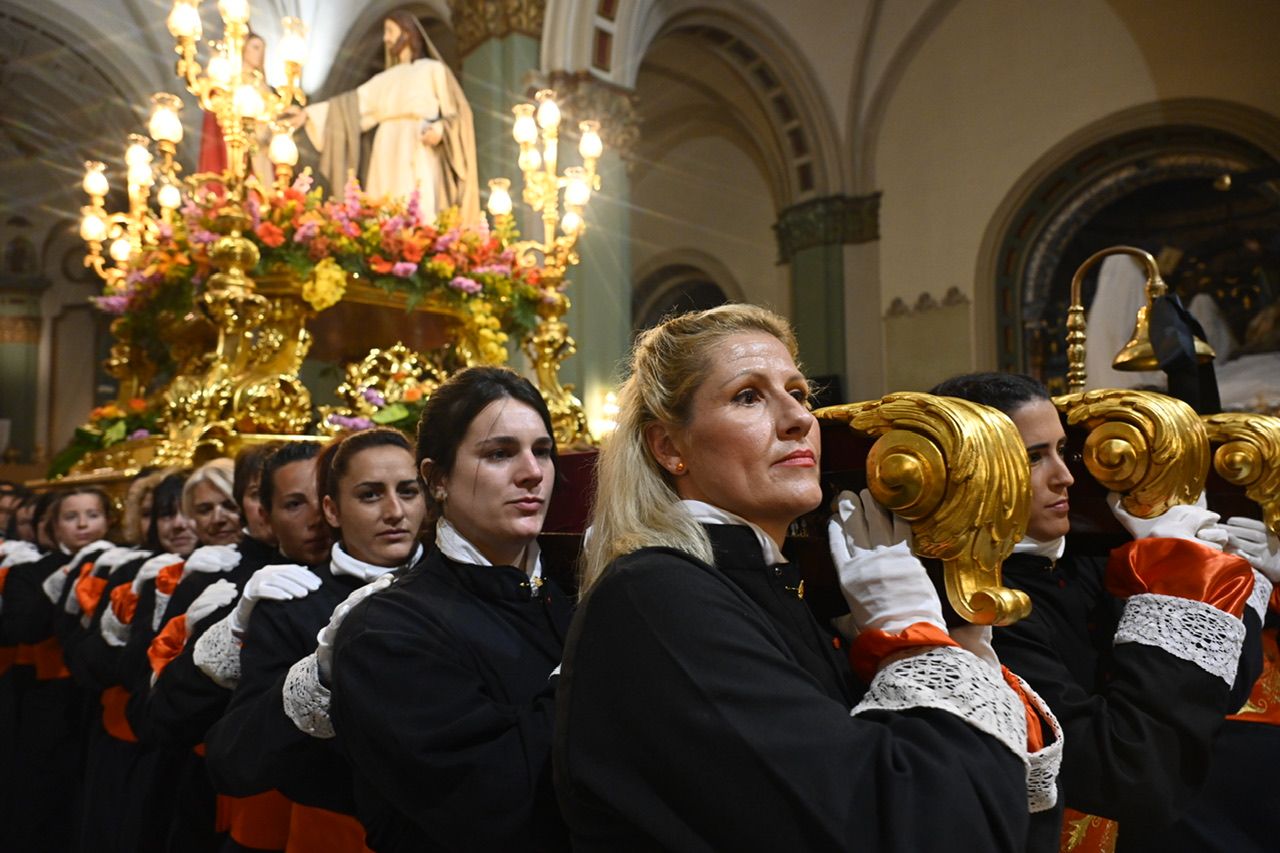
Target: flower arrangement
x=321, y=243
x=107, y=425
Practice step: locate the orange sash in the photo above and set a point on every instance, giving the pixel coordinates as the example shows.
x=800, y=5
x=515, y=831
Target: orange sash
x=89, y=590
x=260, y=821
x=124, y=603
x=47, y=657
x=168, y=577
x=313, y=830
x=114, y=700
x=168, y=644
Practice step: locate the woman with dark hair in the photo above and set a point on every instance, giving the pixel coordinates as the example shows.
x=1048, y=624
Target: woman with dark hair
x=1136, y=652
x=275, y=733
x=442, y=693
x=701, y=706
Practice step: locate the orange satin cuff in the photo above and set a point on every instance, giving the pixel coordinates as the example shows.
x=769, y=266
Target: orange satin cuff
x=124, y=602
x=1183, y=569
x=89, y=593
x=168, y=644
x=168, y=577
x=312, y=829
x=114, y=700
x=1035, y=732
x=870, y=647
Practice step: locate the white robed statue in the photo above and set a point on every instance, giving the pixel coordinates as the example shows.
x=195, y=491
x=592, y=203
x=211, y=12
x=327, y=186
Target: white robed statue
x=425, y=138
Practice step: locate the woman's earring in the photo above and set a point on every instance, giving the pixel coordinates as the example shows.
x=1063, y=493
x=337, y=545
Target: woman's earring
x=679, y=467
x=440, y=495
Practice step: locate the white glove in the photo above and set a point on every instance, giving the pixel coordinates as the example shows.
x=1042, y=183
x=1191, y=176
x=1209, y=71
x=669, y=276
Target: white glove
x=977, y=639
x=57, y=580
x=272, y=583
x=329, y=633
x=217, y=594
x=106, y=563
x=884, y=584
x=92, y=547
x=213, y=559
x=1179, y=522
x=18, y=552
x=1252, y=540
x=114, y=632
x=148, y=570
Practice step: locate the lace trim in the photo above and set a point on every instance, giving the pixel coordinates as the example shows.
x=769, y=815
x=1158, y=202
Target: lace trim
x=1261, y=595
x=157, y=615
x=217, y=654
x=952, y=680
x=1185, y=628
x=1043, y=766
x=306, y=700
x=113, y=631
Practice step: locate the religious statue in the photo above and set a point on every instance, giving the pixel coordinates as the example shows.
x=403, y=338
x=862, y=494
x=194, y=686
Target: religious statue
x=425, y=139
x=213, y=148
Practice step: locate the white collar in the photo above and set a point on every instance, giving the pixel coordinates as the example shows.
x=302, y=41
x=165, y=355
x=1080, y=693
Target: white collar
x=456, y=547
x=342, y=563
x=705, y=513
x=1053, y=549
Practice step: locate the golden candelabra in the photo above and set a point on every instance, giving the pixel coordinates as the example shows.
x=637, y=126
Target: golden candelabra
x=549, y=344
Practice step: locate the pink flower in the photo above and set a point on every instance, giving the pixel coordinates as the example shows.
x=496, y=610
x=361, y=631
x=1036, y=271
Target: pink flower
x=139, y=433
x=303, y=182
x=405, y=269
x=114, y=305
x=466, y=285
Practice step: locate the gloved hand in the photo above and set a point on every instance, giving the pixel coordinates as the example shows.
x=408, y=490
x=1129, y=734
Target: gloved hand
x=18, y=552
x=212, y=559
x=151, y=568
x=272, y=583
x=56, y=581
x=218, y=594
x=1252, y=540
x=1180, y=522
x=329, y=633
x=884, y=584
x=977, y=640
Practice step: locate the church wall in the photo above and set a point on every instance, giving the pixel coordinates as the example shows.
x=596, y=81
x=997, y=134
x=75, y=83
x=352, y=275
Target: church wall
x=998, y=84
x=707, y=194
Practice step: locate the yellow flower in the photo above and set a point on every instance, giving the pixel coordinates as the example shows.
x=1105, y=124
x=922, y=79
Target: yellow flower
x=326, y=286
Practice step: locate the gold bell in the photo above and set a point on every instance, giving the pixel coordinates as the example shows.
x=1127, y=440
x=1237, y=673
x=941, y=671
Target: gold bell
x=1138, y=354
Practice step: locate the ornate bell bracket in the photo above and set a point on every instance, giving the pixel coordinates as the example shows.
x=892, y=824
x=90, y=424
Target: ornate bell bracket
x=1151, y=448
x=958, y=472
x=1247, y=454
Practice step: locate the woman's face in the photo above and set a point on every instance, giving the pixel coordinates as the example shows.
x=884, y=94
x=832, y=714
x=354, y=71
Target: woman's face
x=751, y=445
x=215, y=514
x=254, y=54
x=379, y=506
x=81, y=519
x=255, y=515
x=25, y=521
x=177, y=534
x=1041, y=432
x=496, y=495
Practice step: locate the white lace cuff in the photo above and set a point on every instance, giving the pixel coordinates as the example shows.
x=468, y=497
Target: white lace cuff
x=1185, y=628
x=157, y=615
x=1043, y=766
x=217, y=654
x=113, y=631
x=952, y=680
x=1261, y=595
x=306, y=700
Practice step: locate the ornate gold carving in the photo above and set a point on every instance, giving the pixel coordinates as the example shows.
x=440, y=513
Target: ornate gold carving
x=548, y=345
x=958, y=472
x=1151, y=448
x=477, y=21
x=397, y=374
x=1248, y=455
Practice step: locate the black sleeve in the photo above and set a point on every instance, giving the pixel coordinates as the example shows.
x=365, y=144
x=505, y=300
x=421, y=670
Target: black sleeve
x=683, y=719
x=99, y=661
x=28, y=613
x=428, y=737
x=184, y=702
x=255, y=747
x=135, y=665
x=1137, y=743
x=1251, y=658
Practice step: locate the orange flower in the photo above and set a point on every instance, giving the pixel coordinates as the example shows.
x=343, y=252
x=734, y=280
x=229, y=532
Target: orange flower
x=137, y=404
x=412, y=394
x=270, y=234
x=379, y=264
x=413, y=249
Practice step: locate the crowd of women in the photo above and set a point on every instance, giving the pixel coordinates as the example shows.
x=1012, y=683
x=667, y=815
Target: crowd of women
x=359, y=646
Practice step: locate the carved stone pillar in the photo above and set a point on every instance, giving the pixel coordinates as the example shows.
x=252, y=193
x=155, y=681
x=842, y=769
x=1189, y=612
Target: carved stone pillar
x=811, y=239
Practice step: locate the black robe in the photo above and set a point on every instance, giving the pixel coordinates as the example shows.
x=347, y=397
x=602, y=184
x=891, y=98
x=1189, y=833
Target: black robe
x=701, y=708
x=443, y=704
x=1138, y=722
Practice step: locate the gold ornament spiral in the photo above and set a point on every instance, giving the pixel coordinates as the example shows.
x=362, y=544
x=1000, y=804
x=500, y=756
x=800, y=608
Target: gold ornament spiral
x=958, y=472
x=1149, y=447
x=1248, y=455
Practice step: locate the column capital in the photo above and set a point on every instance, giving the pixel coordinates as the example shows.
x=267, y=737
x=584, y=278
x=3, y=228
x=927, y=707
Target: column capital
x=581, y=96
x=831, y=220
x=477, y=21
